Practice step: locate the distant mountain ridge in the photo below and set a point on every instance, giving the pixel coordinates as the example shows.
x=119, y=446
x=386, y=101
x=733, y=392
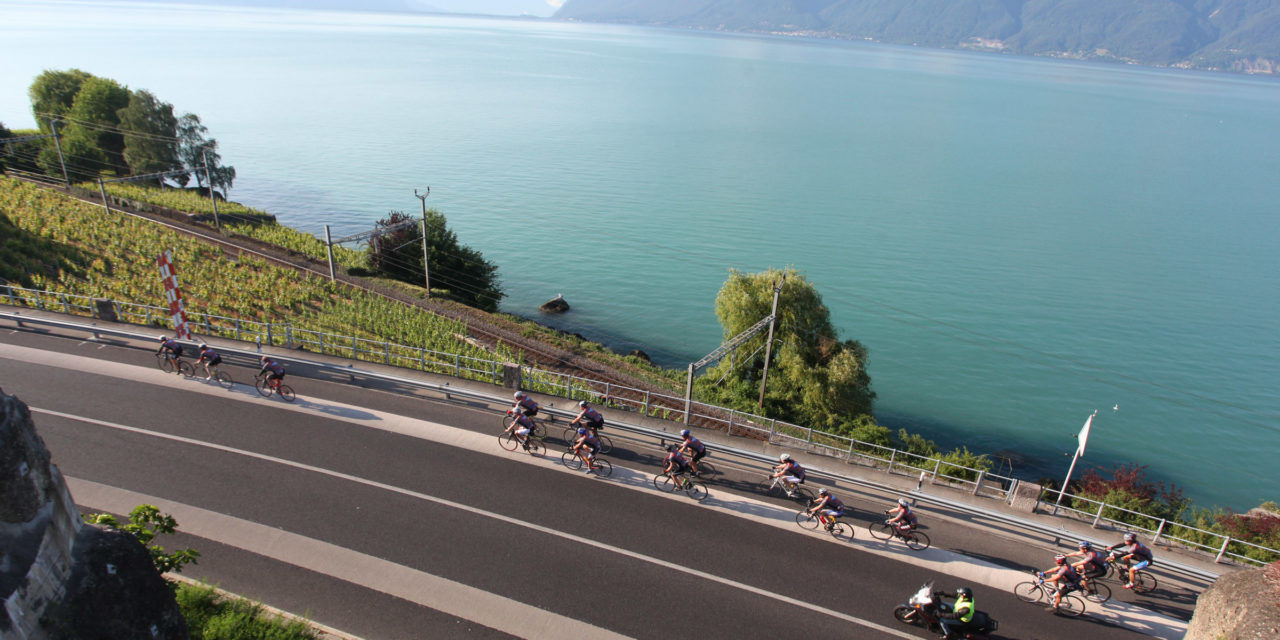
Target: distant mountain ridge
x=1223, y=35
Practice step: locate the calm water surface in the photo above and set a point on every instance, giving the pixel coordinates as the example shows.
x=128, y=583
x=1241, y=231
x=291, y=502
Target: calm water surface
x=1018, y=241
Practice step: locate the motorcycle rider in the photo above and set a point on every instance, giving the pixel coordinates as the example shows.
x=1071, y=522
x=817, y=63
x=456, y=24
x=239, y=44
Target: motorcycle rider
x=956, y=621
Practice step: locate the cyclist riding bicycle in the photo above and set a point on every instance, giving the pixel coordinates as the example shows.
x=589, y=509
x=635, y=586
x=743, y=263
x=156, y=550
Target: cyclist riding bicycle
x=521, y=426
x=210, y=359
x=586, y=446
x=274, y=371
x=588, y=417
x=1092, y=564
x=790, y=473
x=171, y=350
x=960, y=616
x=904, y=519
x=1064, y=578
x=694, y=448
x=1134, y=555
x=526, y=404
x=674, y=464
x=827, y=507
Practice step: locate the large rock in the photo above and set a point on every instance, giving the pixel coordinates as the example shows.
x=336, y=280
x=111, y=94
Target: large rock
x=60, y=579
x=1241, y=605
x=555, y=305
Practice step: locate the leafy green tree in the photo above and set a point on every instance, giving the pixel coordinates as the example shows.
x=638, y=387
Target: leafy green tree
x=151, y=146
x=53, y=92
x=93, y=117
x=460, y=271
x=815, y=379
x=4, y=133
x=145, y=523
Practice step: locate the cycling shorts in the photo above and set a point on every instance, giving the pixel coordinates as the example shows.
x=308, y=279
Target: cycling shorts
x=793, y=479
x=1141, y=565
x=1092, y=571
x=529, y=413
x=271, y=375
x=595, y=425
x=834, y=513
x=522, y=431
x=698, y=455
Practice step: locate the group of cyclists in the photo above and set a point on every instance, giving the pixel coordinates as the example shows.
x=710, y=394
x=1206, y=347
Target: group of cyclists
x=209, y=359
x=1067, y=576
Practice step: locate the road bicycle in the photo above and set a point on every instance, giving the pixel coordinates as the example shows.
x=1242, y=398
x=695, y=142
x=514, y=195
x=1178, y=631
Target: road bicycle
x=511, y=442
x=1096, y=590
x=775, y=488
x=222, y=378
x=573, y=461
x=705, y=470
x=915, y=540
x=1040, y=591
x=1117, y=570
x=169, y=364
x=838, y=529
x=681, y=482
x=538, y=431
x=266, y=387
x=571, y=436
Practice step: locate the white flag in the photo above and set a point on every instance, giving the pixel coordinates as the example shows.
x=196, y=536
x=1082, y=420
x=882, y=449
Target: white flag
x=1084, y=435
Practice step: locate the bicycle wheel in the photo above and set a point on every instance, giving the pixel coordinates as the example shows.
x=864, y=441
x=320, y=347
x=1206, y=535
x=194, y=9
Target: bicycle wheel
x=538, y=431
x=916, y=541
x=1097, y=592
x=696, y=490
x=842, y=532
x=224, y=379
x=187, y=370
x=286, y=393
x=1028, y=592
x=507, y=420
x=706, y=471
x=802, y=495
x=263, y=388
x=603, y=468
x=508, y=441
x=663, y=482
x=1071, y=606
x=880, y=530
x=535, y=448
x=1145, y=582
x=806, y=521
x=571, y=460
x=165, y=364
x=606, y=445
x=570, y=435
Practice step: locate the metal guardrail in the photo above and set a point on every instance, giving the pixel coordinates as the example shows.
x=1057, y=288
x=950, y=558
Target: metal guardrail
x=979, y=482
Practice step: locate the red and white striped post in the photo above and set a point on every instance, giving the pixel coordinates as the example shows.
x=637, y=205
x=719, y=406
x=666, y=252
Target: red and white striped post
x=174, y=295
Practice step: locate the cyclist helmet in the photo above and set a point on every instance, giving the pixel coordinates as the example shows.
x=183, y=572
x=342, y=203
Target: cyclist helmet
x=964, y=592
x=163, y=338
x=266, y=358
x=670, y=447
x=1085, y=545
x=519, y=394
x=203, y=346
x=582, y=431
x=1130, y=537
x=582, y=403
x=903, y=502
x=823, y=491
x=685, y=433
x=784, y=457
x=1060, y=559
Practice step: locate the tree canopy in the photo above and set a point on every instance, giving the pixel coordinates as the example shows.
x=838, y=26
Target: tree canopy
x=815, y=378
x=458, y=271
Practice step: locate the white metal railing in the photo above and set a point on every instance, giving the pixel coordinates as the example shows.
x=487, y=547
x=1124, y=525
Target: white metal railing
x=653, y=404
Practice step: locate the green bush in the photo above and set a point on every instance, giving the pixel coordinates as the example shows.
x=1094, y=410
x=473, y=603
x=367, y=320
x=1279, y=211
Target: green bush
x=210, y=616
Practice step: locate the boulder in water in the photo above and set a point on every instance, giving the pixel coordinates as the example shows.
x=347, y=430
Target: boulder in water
x=555, y=305
x=640, y=354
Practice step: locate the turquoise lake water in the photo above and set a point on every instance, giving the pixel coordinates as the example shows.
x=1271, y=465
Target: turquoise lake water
x=1018, y=241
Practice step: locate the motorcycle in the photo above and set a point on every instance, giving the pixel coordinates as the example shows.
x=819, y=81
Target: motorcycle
x=924, y=607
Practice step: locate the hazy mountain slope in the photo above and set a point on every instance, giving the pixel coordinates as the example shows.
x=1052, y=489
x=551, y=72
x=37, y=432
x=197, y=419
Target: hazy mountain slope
x=1223, y=34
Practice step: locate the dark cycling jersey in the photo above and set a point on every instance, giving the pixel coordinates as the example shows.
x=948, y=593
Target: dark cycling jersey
x=524, y=421
x=833, y=503
x=590, y=442
x=1094, y=561
x=173, y=347
x=211, y=355
x=695, y=444
x=675, y=457
x=794, y=468
x=274, y=367
x=592, y=418
x=1068, y=576
x=529, y=405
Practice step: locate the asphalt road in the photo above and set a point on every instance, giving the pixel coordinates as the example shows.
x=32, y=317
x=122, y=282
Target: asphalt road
x=383, y=527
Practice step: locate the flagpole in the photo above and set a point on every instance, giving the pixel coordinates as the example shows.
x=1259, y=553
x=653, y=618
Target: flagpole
x=1074, y=458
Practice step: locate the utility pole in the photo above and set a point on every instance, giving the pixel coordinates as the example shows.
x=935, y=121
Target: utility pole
x=426, y=270
x=53, y=123
x=328, y=245
x=209, y=178
x=768, y=346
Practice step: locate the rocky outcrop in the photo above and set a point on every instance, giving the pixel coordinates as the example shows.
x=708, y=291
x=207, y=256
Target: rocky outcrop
x=555, y=305
x=1241, y=605
x=61, y=579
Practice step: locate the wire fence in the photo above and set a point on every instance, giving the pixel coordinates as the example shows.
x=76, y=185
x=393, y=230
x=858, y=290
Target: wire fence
x=934, y=469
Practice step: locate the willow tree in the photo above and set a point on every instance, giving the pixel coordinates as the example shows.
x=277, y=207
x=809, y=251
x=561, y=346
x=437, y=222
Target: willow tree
x=814, y=378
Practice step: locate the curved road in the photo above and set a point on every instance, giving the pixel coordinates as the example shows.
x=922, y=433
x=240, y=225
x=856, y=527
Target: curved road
x=391, y=516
